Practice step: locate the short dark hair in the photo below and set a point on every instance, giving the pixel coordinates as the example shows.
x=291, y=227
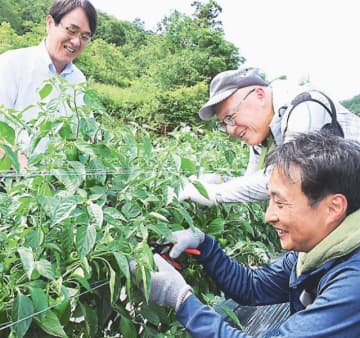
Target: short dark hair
x=329, y=165
x=59, y=8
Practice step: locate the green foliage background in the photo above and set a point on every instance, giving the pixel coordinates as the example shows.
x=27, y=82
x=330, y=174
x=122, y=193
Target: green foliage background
x=158, y=78
x=70, y=224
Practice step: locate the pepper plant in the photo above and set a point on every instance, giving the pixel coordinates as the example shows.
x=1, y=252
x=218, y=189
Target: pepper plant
x=70, y=223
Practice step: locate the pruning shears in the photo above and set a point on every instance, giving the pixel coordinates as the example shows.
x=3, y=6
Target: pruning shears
x=164, y=248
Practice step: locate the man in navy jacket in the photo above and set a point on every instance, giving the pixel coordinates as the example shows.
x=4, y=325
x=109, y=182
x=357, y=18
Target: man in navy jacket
x=314, y=191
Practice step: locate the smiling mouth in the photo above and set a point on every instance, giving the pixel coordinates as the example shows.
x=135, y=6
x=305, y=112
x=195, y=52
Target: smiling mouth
x=69, y=49
x=281, y=232
x=242, y=134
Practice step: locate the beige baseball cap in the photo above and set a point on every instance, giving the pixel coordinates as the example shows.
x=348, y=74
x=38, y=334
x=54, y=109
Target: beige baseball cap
x=227, y=83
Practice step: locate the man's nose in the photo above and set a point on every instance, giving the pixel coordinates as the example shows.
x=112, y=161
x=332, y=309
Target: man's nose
x=270, y=215
x=76, y=40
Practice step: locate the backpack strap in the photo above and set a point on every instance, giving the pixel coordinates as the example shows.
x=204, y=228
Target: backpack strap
x=333, y=127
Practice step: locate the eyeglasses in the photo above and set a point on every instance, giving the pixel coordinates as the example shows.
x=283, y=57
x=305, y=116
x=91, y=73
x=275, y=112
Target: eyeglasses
x=74, y=31
x=229, y=119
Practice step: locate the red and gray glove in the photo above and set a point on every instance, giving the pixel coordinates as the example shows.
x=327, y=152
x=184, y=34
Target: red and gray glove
x=185, y=239
x=168, y=287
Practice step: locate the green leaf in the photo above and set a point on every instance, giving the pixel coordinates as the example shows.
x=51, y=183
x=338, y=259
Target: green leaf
x=131, y=209
x=146, y=278
x=50, y=323
x=99, y=169
x=184, y=213
x=34, y=238
x=82, y=281
x=85, y=148
x=127, y=328
x=44, y=268
x=112, y=284
x=216, y=226
x=147, y=147
x=79, y=168
x=67, y=238
x=5, y=163
x=39, y=299
x=231, y=314
x=188, y=166
x=177, y=161
x=123, y=264
x=95, y=211
x=114, y=213
x=161, y=229
x=70, y=178
x=85, y=239
x=97, y=192
x=27, y=260
x=248, y=228
x=201, y=189
x=230, y=156
x=22, y=308
x=91, y=320
x=7, y=133
x=12, y=156
x=149, y=313
x=158, y=216
x=45, y=90
x=58, y=209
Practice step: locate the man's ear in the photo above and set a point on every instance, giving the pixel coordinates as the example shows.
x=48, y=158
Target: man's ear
x=337, y=207
x=49, y=21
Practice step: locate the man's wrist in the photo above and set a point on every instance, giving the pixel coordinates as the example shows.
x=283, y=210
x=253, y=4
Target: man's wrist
x=183, y=298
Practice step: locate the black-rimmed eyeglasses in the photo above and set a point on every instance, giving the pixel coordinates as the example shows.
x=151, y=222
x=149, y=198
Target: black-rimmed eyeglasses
x=74, y=31
x=229, y=119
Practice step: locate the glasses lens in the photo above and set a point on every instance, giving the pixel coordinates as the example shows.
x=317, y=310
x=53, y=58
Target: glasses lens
x=229, y=120
x=71, y=30
x=220, y=126
x=86, y=37
x=74, y=31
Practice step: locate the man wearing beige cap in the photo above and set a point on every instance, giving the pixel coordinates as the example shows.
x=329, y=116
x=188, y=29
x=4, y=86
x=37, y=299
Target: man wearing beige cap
x=263, y=115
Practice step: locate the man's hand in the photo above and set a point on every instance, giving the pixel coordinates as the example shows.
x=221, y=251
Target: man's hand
x=168, y=287
x=209, y=182
x=185, y=239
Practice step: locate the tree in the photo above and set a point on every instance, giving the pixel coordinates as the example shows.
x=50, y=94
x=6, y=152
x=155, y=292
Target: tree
x=206, y=14
x=206, y=48
x=9, y=13
x=120, y=32
x=23, y=14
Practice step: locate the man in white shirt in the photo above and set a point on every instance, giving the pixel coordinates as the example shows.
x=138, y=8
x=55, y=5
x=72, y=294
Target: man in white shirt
x=263, y=116
x=70, y=26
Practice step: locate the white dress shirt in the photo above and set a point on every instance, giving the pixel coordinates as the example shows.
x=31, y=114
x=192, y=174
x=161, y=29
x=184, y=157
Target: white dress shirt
x=22, y=73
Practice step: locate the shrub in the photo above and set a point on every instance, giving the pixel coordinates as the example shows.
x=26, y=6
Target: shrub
x=89, y=204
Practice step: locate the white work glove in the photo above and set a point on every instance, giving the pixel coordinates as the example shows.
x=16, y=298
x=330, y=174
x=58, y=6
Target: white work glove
x=185, y=239
x=211, y=178
x=192, y=193
x=168, y=287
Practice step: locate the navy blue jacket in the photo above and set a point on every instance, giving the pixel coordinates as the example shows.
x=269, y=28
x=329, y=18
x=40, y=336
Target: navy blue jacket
x=335, y=311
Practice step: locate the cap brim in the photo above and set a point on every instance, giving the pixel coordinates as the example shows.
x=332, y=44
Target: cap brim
x=207, y=111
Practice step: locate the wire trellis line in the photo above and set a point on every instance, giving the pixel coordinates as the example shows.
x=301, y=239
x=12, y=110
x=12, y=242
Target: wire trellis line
x=67, y=172
x=10, y=324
